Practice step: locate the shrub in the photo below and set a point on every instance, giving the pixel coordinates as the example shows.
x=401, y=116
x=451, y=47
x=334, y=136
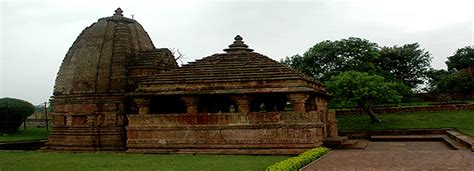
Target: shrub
x=295, y=163
x=13, y=112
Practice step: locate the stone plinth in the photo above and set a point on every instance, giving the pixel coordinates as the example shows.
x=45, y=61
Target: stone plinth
x=225, y=133
x=86, y=139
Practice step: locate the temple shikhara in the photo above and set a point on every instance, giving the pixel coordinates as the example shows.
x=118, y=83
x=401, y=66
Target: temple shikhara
x=116, y=91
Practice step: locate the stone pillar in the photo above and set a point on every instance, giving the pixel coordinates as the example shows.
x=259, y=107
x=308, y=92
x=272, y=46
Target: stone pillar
x=298, y=100
x=92, y=120
x=68, y=120
x=191, y=104
x=332, y=124
x=143, y=105
x=242, y=103
x=322, y=108
x=321, y=103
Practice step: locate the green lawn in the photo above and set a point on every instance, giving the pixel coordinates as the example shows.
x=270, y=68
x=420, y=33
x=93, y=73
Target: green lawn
x=33, y=160
x=409, y=104
x=461, y=120
x=25, y=135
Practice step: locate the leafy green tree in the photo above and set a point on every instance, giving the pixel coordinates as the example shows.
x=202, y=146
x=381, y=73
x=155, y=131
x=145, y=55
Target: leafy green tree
x=433, y=77
x=457, y=82
x=451, y=82
x=13, y=112
x=363, y=89
x=407, y=64
x=329, y=58
x=463, y=58
x=454, y=80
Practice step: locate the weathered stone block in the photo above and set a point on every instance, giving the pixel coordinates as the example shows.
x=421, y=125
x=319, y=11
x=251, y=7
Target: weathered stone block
x=59, y=120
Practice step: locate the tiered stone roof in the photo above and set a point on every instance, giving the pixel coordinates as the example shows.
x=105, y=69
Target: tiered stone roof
x=238, y=65
x=161, y=59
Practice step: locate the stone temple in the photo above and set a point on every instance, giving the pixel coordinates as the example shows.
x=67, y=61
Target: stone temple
x=116, y=91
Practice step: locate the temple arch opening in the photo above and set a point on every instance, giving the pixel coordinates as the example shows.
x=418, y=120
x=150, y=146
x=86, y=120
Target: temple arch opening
x=167, y=105
x=216, y=104
x=269, y=103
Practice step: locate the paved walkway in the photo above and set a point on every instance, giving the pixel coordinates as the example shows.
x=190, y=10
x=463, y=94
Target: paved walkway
x=397, y=156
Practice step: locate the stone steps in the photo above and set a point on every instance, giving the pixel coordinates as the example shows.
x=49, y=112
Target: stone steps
x=344, y=143
x=361, y=144
x=460, y=138
x=349, y=144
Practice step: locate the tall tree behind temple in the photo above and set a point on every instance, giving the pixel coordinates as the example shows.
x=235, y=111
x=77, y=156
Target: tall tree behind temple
x=459, y=78
x=329, y=58
x=463, y=58
x=407, y=64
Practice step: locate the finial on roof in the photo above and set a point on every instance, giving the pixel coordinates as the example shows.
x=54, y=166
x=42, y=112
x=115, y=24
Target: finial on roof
x=238, y=46
x=118, y=12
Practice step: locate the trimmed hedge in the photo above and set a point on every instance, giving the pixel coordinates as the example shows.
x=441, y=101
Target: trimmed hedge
x=295, y=163
x=13, y=112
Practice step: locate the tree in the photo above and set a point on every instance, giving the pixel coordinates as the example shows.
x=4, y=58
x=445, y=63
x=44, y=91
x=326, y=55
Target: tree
x=454, y=80
x=457, y=82
x=407, y=64
x=434, y=76
x=363, y=89
x=442, y=81
x=329, y=58
x=13, y=112
x=463, y=58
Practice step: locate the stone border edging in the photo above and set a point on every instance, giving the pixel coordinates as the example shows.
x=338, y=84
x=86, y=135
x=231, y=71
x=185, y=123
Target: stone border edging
x=408, y=109
x=23, y=145
x=452, y=133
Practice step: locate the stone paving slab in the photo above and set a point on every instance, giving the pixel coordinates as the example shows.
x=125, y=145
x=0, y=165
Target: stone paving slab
x=397, y=156
x=407, y=146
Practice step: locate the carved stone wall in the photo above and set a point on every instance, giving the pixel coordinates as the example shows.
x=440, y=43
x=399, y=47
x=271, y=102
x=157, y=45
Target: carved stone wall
x=225, y=133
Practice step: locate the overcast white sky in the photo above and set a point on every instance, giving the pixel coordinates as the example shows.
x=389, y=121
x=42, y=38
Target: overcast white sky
x=36, y=34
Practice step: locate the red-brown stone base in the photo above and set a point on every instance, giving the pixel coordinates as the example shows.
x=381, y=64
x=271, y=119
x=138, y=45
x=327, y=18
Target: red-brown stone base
x=263, y=150
x=273, y=139
x=86, y=139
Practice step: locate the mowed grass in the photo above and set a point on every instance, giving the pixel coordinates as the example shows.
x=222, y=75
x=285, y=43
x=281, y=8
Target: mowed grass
x=34, y=160
x=461, y=120
x=25, y=135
